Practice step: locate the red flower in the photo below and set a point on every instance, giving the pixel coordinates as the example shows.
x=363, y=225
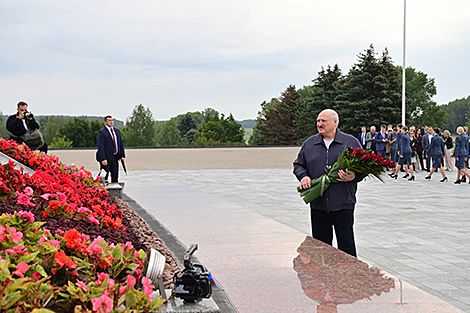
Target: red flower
x=61, y=259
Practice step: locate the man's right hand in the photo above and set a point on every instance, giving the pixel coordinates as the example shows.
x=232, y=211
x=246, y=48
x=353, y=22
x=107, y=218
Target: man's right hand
x=305, y=182
x=104, y=162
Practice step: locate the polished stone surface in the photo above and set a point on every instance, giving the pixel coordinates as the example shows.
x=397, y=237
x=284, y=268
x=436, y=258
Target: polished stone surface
x=249, y=225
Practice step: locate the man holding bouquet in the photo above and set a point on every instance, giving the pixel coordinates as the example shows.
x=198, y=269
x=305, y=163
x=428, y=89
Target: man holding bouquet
x=335, y=207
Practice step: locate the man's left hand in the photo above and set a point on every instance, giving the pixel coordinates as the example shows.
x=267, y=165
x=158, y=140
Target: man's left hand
x=345, y=177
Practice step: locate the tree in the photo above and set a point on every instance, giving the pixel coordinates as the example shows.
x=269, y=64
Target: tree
x=61, y=142
x=276, y=124
x=140, y=128
x=50, y=125
x=186, y=124
x=314, y=99
x=3, y=129
x=78, y=131
x=419, y=92
x=370, y=93
x=170, y=133
x=220, y=131
x=459, y=113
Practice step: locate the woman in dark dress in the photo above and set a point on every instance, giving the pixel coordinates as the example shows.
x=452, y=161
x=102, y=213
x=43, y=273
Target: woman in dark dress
x=436, y=151
x=419, y=148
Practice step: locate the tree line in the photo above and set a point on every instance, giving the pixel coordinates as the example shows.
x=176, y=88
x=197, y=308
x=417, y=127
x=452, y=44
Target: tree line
x=369, y=94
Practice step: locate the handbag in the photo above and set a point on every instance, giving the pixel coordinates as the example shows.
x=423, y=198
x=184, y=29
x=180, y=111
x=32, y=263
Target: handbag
x=33, y=139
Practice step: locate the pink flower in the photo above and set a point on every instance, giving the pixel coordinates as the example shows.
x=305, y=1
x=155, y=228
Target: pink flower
x=21, y=268
x=131, y=281
x=83, y=210
x=23, y=199
x=29, y=216
x=129, y=245
x=62, y=197
x=46, y=196
x=28, y=191
x=82, y=285
x=103, y=304
x=111, y=283
x=101, y=278
x=19, y=249
x=148, y=287
x=93, y=220
x=122, y=290
x=82, y=174
x=54, y=243
x=15, y=235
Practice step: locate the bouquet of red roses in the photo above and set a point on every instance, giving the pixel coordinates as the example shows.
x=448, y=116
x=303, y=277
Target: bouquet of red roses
x=359, y=161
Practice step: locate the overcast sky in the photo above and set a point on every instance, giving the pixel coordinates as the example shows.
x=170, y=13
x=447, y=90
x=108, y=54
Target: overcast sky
x=105, y=57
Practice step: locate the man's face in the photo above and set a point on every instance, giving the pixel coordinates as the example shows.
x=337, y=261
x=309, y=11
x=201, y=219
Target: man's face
x=22, y=109
x=429, y=130
x=325, y=125
x=466, y=129
x=363, y=129
x=109, y=122
x=382, y=129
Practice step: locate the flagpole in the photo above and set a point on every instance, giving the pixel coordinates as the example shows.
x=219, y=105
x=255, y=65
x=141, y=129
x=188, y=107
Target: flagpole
x=403, y=98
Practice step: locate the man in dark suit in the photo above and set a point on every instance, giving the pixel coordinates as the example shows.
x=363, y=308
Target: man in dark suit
x=426, y=142
x=381, y=140
x=362, y=137
x=110, y=149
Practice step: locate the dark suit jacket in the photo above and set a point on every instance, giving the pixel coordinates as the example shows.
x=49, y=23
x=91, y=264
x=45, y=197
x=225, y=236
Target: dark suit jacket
x=379, y=144
x=425, y=142
x=359, y=137
x=106, y=146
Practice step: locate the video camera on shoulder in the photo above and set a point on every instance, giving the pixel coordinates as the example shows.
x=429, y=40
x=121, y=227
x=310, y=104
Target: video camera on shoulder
x=194, y=282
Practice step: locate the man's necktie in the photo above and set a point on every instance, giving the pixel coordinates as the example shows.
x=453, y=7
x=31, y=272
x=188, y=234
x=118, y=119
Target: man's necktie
x=114, y=141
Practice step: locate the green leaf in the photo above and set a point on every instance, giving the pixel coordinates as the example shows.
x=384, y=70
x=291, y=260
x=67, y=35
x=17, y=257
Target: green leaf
x=41, y=270
x=117, y=252
x=131, y=298
x=28, y=257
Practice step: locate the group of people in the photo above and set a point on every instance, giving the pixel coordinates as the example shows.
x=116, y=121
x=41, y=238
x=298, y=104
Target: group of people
x=24, y=128
x=426, y=149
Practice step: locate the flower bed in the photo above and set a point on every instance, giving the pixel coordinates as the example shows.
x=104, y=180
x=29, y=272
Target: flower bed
x=63, y=245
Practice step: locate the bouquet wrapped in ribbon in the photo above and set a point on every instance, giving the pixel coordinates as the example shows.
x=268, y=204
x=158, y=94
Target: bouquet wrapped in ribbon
x=359, y=161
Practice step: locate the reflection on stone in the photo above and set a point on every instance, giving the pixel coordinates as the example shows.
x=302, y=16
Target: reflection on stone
x=332, y=277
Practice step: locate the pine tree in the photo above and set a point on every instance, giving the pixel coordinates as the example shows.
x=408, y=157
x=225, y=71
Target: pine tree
x=370, y=93
x=314, y=99
x=277, y=125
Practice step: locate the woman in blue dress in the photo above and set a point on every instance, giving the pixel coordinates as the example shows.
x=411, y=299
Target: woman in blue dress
x=460, y=154
x=436, y=151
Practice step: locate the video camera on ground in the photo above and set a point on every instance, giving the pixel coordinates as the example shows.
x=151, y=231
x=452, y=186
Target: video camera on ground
x=194, y=282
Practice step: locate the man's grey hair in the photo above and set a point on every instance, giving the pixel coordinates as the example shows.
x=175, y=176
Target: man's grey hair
x=333, y=113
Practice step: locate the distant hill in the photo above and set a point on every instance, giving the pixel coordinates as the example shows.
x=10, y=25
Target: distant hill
x=247, y=123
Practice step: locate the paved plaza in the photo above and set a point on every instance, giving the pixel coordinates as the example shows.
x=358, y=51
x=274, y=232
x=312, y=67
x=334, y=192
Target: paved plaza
x=417, y=231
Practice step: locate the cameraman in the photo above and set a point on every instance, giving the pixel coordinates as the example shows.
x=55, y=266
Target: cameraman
x=21, y=123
